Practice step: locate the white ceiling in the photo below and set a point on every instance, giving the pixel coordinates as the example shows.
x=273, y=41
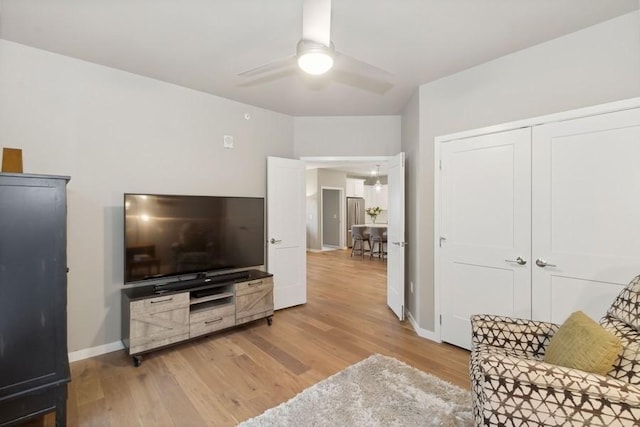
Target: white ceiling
x=204, y=44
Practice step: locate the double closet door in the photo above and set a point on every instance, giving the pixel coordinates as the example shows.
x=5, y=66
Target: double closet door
x=539, y=222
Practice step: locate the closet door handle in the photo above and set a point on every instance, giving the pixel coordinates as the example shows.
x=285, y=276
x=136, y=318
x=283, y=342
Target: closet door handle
x=542, y=263
x=518, y=260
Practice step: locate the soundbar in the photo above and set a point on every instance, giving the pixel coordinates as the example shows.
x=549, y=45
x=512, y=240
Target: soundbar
x=181, y=284
x=200, y=281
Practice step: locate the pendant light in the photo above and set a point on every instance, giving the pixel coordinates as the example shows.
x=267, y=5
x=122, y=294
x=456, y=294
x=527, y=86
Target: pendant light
x=378, y=184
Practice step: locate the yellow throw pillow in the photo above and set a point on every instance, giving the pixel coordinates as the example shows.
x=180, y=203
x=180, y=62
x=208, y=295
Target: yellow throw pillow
x=583, y=344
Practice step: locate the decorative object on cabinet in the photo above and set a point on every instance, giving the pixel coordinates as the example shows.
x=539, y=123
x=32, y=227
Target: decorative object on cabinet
x=34, y=365
x=12, y=160
x=154, y=319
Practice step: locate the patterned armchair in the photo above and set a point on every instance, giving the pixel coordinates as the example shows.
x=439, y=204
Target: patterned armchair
x=512, y=385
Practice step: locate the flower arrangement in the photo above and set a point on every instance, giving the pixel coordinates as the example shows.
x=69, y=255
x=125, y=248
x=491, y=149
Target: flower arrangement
x=373, y=212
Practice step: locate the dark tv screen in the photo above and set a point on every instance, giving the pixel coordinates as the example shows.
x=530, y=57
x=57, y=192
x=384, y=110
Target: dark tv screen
x=169, y=235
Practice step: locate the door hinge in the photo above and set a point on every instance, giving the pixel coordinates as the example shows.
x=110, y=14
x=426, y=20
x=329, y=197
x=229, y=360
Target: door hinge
x=441, y=319
x=442, y=239
x=440, y=164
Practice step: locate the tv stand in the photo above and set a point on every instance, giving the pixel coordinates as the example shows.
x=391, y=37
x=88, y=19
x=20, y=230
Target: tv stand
x=159, y=316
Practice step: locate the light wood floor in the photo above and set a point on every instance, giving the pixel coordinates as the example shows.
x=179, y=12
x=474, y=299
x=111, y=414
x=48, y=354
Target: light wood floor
x=231, y=376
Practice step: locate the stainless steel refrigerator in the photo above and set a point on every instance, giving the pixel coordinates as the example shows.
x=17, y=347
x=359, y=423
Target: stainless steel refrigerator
x=355, y=215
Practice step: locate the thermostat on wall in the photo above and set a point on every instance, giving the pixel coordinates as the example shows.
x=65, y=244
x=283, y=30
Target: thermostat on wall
x=228, y=141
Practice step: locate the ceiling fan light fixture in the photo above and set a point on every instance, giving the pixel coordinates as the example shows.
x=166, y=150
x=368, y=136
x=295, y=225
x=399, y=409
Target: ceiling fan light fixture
x=315, y=58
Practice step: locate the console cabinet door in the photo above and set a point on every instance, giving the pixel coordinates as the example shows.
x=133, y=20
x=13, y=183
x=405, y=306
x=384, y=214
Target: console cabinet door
x=254, y=300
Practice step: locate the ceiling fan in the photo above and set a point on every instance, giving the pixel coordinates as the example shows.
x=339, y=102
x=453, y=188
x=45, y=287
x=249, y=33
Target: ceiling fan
x=316, y=55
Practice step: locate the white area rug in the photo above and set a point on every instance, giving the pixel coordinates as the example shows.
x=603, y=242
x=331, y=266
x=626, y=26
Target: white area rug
x=378, y=391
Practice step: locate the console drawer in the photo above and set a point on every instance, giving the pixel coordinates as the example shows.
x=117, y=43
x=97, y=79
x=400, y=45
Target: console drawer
x=160, y=303
x=254, y=286
x=207, y=320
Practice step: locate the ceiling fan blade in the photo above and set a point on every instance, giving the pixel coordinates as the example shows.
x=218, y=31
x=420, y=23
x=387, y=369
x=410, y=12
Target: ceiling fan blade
x=316, y=21
x=348, y=62
x=359, y=74
x=285, y=72
x=270, y=67
x=361, y=81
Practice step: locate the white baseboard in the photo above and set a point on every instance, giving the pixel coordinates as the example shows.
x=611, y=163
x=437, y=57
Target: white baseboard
x=423, y=333
x=95, y=351
x=86, y=353
x=117, y=345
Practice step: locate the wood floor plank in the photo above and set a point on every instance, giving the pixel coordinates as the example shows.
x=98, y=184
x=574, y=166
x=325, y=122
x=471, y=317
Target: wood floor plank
x=175, y=399
x=119, y=400
x=146, y=397
x=94, y=414
x=236, y=374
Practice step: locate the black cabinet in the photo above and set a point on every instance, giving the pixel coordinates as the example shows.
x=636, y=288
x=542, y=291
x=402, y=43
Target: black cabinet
x=34, y=366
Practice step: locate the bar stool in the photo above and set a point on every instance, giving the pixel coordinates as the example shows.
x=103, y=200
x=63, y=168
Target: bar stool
x=359, y=239
x=378, y=237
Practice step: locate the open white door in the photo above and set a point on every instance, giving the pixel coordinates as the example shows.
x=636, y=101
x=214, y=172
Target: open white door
x=395, y=237
x=286, y=231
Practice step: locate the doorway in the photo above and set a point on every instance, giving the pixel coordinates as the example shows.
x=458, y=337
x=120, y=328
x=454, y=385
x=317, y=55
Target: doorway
x=354, y=171
x=330, y=173
x=332, y=218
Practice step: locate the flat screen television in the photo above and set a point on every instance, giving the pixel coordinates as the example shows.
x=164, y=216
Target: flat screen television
x=177, y=235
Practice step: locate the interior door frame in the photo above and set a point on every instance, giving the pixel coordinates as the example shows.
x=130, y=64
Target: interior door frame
x=332, y=162
x=530, y=122
x=341, y=215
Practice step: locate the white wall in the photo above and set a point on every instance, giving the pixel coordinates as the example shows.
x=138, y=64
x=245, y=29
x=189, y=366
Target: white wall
x=592, y=66
x=313, y=201
x=347, y=136
x=410, y=145
x=115, y=132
